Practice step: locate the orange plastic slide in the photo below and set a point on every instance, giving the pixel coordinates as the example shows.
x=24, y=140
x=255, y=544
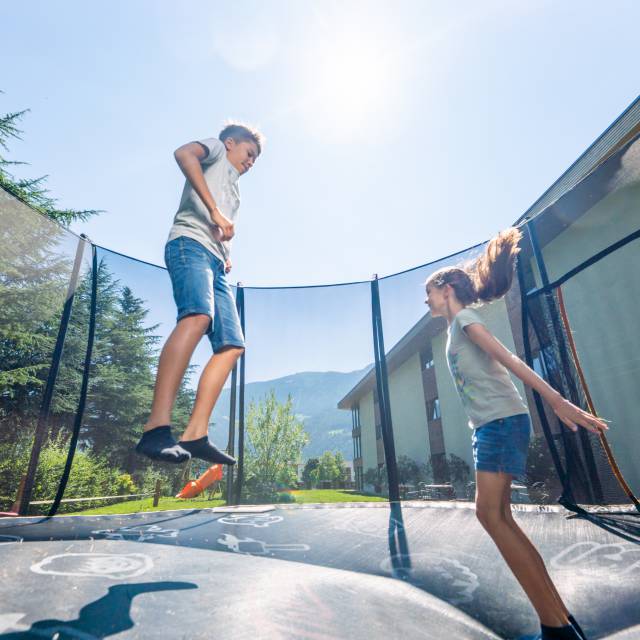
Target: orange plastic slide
x=194, y=488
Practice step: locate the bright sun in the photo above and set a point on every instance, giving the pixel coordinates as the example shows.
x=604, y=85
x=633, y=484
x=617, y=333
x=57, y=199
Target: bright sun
x=351, y=75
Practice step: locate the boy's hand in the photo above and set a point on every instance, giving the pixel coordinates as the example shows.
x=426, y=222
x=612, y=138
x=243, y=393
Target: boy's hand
x=226, y=226
x=574, y=417
x=227, y=265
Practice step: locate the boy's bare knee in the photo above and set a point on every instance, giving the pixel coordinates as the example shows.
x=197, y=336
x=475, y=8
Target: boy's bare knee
x=197, y=322
x=231, y=350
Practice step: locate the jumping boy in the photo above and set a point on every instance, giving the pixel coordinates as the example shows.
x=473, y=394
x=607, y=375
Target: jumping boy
x=197, y=258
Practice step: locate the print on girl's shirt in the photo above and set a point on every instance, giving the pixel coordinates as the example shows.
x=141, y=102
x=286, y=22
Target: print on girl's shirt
x=464, y=388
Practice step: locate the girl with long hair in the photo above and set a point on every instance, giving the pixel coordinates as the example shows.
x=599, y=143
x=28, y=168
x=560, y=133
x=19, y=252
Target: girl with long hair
x=480, y=366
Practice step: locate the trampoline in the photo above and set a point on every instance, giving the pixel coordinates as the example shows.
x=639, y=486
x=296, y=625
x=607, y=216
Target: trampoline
x=317, y=571
x=403, y=555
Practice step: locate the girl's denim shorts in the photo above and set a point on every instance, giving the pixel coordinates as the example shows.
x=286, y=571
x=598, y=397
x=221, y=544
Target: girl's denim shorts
x=200, y=287
x=501, y=445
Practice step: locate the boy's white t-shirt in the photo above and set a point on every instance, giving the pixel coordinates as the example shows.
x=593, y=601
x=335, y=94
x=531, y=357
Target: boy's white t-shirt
x=192, y=218
x=484, y=385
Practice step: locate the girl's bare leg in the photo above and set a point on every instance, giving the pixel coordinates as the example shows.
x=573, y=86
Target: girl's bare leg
x=508, y=516
x=522, y=557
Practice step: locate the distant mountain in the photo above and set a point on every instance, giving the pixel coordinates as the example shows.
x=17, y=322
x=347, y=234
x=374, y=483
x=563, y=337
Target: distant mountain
x=315, y=398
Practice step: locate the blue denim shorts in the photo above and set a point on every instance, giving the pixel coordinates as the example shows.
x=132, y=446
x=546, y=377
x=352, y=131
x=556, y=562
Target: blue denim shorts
x=501, y=445
x=200, y=287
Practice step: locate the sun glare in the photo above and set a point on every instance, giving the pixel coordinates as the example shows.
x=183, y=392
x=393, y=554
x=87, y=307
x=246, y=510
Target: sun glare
x=352, y=77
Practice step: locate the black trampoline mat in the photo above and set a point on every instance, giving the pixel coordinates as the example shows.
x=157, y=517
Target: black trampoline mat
x=314, y=572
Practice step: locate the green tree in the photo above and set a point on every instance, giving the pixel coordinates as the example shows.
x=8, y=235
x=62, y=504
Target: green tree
x=274, y=443
x=36, y=258
x=330, y=468
x=451, y=469
x=90, y=475
x=310, y=466
x=33, y=285
x=124, y=363
x=409, y=471
x=31, y=191
x=122, y=372
x=35, y=266
x=459, y=470
x=377, y=477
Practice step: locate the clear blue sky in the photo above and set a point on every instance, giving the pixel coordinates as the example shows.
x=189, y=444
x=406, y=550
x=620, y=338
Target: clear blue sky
x=397, y=132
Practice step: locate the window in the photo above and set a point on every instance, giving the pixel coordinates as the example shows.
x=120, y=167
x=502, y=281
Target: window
x=357, y=447
x=426, y=359
x=433, y=409
x=355, y=416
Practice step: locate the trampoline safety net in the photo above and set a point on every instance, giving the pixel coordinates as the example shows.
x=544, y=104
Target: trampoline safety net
x=343, y=388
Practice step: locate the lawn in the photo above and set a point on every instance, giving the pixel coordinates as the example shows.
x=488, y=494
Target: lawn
x=304, y=496
x=165, y=504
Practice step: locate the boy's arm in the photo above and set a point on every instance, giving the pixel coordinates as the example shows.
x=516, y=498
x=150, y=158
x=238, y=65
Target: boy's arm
x=188, y=157
x=570, y=414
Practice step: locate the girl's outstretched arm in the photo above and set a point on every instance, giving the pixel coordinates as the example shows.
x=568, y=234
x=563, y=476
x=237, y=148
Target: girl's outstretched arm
x=569, y=413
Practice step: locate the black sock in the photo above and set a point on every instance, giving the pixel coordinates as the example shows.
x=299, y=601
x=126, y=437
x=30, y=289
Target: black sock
x=158, y=444
x=577, y=627
x=559, y=633
x=203, y=449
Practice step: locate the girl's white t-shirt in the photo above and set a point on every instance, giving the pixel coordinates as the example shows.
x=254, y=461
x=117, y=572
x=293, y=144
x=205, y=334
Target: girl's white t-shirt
x=484, y=385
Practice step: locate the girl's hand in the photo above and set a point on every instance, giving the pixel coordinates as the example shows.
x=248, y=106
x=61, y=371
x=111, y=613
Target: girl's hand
x=227, y=265
x=574, y=417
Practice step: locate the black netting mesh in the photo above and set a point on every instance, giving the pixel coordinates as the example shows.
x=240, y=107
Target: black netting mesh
x=43, y=276
x=579, y=261
x=314, y=401
x=307, y=348
x=135, y=314
x=432, y=437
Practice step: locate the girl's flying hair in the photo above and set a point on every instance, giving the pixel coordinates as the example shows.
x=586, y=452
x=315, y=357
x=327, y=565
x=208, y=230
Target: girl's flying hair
x=489, y=277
